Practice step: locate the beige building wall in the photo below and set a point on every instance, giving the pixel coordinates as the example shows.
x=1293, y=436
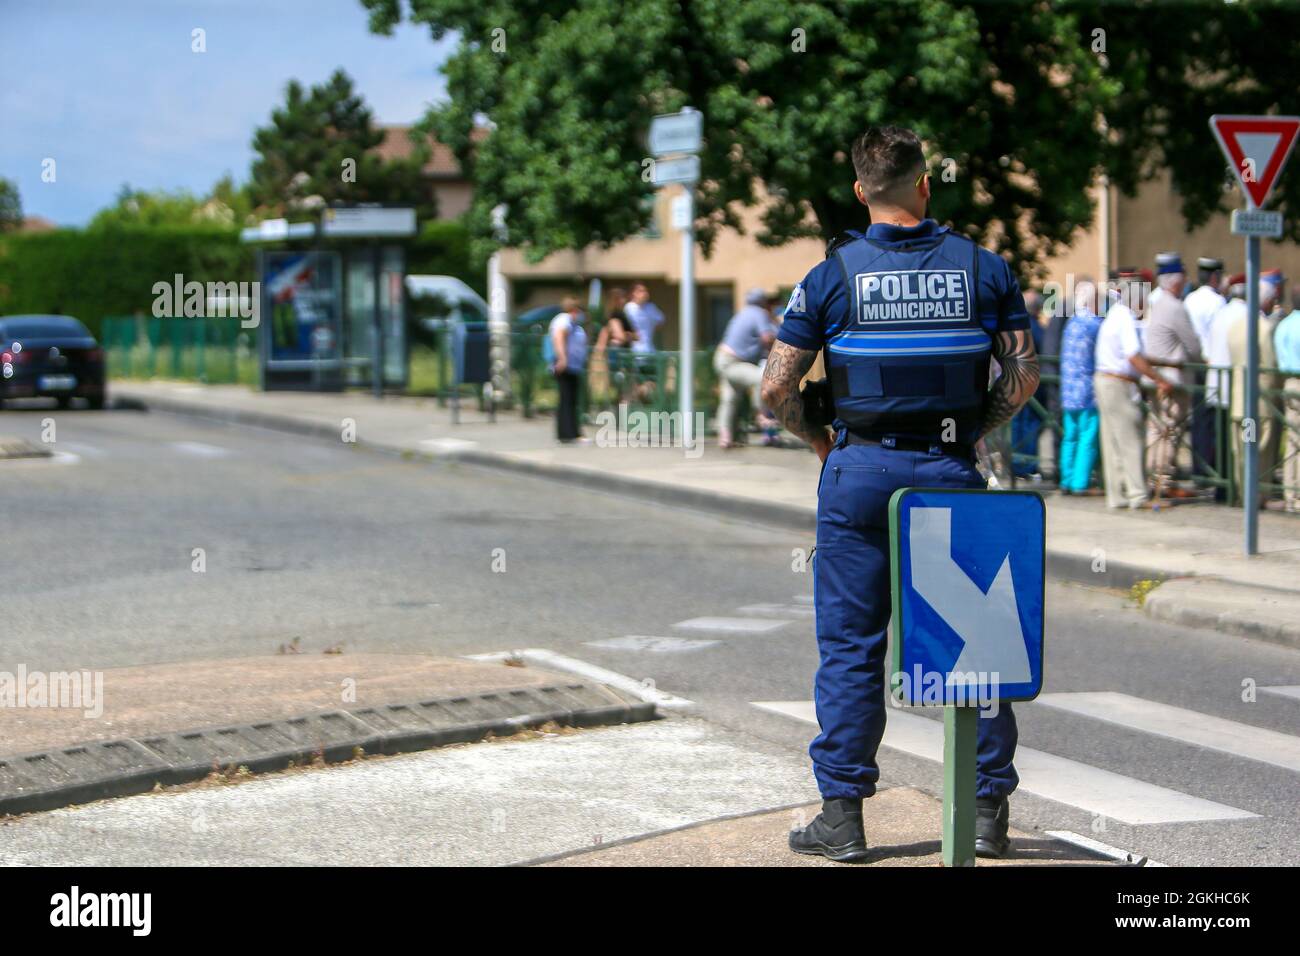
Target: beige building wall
x=453, y=198
x=1151, y=222
x=737, y=264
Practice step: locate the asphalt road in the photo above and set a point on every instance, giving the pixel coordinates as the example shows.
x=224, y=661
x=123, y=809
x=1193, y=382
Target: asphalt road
x=328, y=543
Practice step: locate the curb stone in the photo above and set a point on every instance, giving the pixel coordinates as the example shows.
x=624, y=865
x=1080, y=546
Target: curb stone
x=81, y=773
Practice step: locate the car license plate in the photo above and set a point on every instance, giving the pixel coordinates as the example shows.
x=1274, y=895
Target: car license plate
x=56, y=383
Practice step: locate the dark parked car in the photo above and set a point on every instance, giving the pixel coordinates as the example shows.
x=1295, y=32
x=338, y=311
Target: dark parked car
x=50, y=355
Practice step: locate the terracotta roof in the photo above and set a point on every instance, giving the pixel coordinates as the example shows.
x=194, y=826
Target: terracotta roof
x=36, y=224
x=442, y=164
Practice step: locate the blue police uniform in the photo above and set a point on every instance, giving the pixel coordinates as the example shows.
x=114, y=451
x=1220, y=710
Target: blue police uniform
x=904, y=317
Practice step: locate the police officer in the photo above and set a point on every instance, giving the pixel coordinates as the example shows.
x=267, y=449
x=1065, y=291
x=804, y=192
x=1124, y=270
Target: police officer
x=908, y=315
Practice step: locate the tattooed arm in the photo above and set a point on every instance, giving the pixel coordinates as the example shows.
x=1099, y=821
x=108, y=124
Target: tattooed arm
x=786, y=367
x=1019, y=379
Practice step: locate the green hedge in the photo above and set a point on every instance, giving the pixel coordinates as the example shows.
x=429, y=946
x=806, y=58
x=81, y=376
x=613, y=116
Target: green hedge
x=94, y=273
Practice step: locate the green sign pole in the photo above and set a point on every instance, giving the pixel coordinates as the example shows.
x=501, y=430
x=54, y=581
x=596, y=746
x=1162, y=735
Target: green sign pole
x=959, y=785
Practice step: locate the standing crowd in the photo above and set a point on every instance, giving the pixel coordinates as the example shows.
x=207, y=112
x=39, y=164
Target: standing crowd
x=1155, y=331
x=1148, y=330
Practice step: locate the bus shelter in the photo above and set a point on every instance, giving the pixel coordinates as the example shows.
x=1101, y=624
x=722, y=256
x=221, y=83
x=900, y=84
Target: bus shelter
x=332, y=299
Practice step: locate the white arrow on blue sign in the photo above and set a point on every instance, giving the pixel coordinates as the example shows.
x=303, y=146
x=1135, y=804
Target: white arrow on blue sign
x=968, y=581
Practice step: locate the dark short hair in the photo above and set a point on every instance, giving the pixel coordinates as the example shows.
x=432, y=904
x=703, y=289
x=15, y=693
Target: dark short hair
x=887, y=159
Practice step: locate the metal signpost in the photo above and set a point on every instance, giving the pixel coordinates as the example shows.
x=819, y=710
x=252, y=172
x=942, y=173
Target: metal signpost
x=498, y=316
x=968, y=579
x=1257, y=148
x=682, y=133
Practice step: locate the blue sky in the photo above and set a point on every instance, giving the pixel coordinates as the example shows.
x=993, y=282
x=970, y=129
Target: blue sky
x=111, y=90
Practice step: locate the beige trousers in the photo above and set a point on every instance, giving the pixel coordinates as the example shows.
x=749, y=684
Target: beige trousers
x=1291, y=466
x=734, y=374
x=1121, y=441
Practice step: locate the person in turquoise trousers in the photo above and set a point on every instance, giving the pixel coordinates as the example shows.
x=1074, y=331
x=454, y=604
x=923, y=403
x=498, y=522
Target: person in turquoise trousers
x=1081, y=424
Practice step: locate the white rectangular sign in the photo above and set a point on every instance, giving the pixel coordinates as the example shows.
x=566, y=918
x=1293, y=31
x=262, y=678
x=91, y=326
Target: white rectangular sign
x=681, y=169
x=1257, y=222
x=677, y=133
x=369, y=221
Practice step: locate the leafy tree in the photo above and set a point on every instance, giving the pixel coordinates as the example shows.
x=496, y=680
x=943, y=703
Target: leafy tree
x=225, y=205
x=1019, y=104
x=1178, y=64
x=319, y=149
x=11, y=206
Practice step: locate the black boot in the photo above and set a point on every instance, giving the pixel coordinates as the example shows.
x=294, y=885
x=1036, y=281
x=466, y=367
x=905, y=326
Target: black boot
x=836, y=833
x=992, y=816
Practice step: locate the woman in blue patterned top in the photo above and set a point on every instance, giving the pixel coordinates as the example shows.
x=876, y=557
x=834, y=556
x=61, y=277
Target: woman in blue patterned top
x=1078, y=404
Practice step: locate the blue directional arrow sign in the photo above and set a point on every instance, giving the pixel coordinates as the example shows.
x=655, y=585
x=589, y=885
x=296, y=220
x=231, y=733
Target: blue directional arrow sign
x=968, y=584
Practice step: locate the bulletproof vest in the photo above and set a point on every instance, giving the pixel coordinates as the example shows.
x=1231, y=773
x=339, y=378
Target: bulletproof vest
x=913, y=352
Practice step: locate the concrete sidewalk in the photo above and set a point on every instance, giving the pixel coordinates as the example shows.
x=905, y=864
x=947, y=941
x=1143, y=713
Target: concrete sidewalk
x=1087, y=543
x=89, y=735
x=902, y=824
x=671, y=792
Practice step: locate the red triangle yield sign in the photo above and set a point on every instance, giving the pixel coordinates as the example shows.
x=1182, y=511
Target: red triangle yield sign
x=1257, y=148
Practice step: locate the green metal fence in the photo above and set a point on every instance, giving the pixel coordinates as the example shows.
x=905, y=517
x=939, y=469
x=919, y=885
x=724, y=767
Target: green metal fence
x=614, y=377
x=210, y=350
x=1210, y=390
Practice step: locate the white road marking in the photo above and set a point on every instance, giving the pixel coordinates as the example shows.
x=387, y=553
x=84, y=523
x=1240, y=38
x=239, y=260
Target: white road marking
x=1284, y=690
x=656, y=645
x=1105, y=849
x=82, y=449
x=798, y=610
x=642, y=690
x=55, y=458
x=448, y=446
x=1185, y=726
x=803, y=599
x=199, y=449
x=1080, y=785
x=738, y=625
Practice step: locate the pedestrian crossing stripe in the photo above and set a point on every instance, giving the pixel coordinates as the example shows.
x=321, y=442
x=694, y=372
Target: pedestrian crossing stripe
x=1284, y=690
x=200, y=449
x=742, y=625
x=655, y=645
x=1184, y=726
x=798, y=610
x=1092, y=789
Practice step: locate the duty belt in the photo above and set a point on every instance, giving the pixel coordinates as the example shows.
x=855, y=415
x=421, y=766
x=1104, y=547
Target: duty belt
x=902, y=443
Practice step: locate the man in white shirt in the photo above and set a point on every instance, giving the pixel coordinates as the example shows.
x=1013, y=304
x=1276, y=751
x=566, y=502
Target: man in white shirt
x=1205, y=300
x=1120, y=366
x=645, y=318
x=1202, y=304
x=569, y=345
